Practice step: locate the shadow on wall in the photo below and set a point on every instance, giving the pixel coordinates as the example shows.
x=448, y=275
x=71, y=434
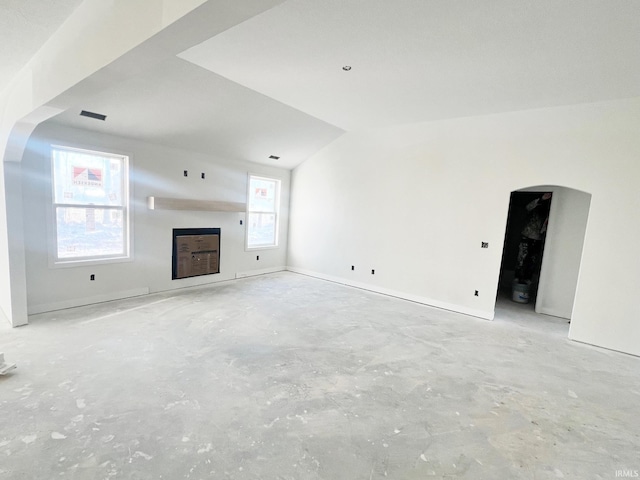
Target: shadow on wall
x=558, y=217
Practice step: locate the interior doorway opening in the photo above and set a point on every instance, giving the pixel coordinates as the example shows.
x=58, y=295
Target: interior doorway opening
x=555, y=267
x=524, y=241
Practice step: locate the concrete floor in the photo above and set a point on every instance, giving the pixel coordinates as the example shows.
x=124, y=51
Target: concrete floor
x=288, y=377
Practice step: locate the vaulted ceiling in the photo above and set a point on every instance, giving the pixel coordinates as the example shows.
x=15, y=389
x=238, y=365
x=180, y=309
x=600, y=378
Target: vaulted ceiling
x=276, y=83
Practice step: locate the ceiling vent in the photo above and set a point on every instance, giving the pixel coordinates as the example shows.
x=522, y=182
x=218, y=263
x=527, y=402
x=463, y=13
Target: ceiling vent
x=97, y=116
x=274, y=157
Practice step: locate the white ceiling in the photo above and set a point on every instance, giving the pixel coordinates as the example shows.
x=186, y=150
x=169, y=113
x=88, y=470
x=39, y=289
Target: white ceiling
x=417, y=60
x=273, y=84
x=179, y=104
x=24, y=26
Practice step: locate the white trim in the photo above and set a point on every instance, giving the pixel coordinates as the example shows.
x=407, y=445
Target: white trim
x=551, y=311
x=600, y=347
x=276, y=212
x=253, y=249
x=79, y=302
x=137, y=292
x=127, y=195
x=486, y=315
x=262, y=271
x=88, y=261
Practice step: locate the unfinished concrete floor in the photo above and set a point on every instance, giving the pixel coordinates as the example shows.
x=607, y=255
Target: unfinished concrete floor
x=289, y=377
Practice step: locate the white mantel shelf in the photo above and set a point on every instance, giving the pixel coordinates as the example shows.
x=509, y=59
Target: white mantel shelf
x=165, y=203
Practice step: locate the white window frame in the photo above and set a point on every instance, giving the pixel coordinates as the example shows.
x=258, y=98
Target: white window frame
x=126, y=256
x=276, y=212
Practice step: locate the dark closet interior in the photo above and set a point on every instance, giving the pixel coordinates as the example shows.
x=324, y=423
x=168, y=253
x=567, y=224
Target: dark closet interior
x=516, y=223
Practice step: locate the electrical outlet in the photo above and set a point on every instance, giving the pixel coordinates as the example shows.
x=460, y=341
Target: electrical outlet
x=353, y=267
x=202, y=175
x=485, y=245
x=476, y=294
x=92, y=277
x=240, y=222
x=373, y=272
x=185, y=173
x=257, y=257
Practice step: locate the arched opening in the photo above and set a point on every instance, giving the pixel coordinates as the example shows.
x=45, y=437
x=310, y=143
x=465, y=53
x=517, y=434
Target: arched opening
x=548, y=224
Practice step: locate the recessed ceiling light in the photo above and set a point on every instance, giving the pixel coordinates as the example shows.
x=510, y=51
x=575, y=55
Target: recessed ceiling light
x=274, y=157
x=346, y=68
x=97, y=116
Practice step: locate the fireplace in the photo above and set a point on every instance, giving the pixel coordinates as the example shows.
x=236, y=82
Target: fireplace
x=196, y=251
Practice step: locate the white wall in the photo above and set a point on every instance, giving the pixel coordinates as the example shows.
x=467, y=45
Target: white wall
x=60, y=63
x=108, y=30
x=155, y=171
x=415, y=202
x=562, y=251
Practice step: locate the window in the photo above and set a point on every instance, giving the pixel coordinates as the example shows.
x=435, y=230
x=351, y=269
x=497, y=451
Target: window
x=90, y=205
x=262, y=212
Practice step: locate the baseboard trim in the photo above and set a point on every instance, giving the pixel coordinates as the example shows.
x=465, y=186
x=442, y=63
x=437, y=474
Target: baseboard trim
x=553, y=313
x=80, y=302
x=263, y=271
x=602, y=347
x=397, y=294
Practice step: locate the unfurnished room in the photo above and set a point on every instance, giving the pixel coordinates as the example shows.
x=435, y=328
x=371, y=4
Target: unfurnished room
x=302, y=239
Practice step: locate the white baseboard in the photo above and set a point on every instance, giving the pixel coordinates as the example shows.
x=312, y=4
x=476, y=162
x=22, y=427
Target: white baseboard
x=601, y=347
x=263, y=271
x=487, y=315
x=553, y=313
x=78, y=302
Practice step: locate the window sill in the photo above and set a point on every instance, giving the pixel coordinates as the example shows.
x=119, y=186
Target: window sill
x=254, y=249
x=88, y=262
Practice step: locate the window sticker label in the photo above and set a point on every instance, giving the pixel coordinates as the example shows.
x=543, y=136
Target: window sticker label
x=87, y=176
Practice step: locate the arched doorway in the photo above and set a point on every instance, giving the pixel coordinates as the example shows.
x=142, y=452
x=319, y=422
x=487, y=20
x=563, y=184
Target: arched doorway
x=555, y=279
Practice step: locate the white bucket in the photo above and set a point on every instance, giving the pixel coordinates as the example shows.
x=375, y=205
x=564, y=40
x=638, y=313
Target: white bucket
x=520, y=291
